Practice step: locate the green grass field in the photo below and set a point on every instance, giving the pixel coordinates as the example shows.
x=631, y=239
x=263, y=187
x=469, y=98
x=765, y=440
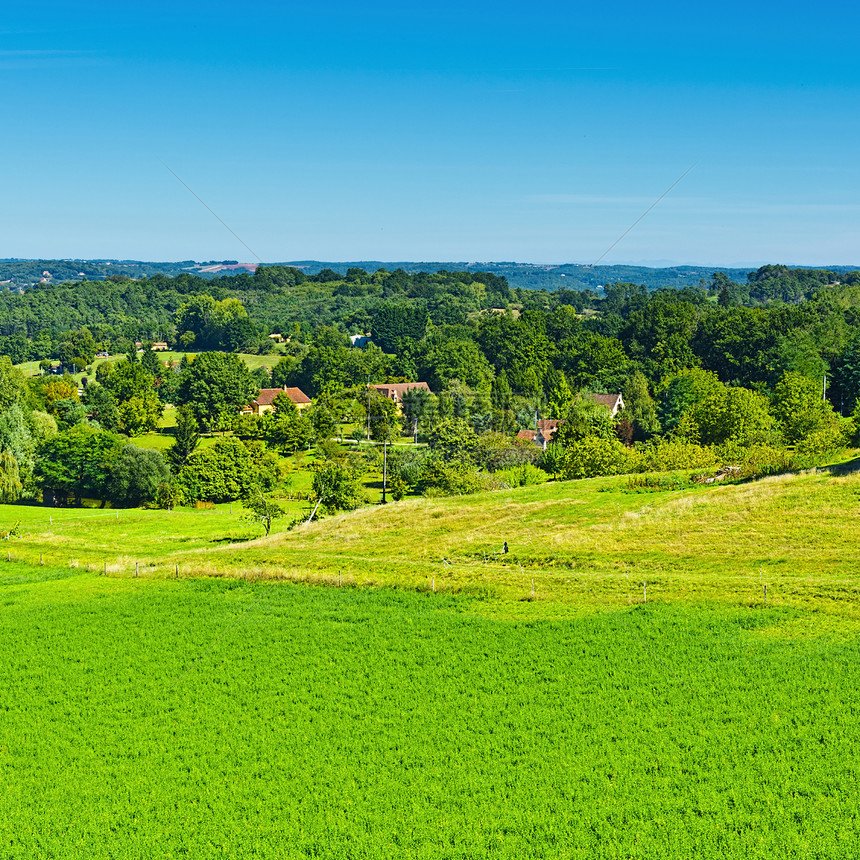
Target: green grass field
x=220, y=718
x=244, y=714
x=584, y=544
x=253, y=361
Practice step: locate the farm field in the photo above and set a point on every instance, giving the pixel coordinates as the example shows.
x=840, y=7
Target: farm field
x=252, y=360
x=244, y=714
x=221, y=718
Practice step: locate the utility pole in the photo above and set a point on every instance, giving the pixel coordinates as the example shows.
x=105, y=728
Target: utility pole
x=368, y=408
x=384, y=470
x=824, y=387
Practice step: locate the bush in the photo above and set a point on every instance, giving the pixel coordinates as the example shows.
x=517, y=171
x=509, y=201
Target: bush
x=169, y=495
x=523, y=475
x=829, y=438
x=657, y=483
x=552, y=459
x=406, y=464
x=397, y=487
x=441, y=478
x=756, y=461
x=593, y=456
x=667, y=455
x=221, y=473
x=496, y=451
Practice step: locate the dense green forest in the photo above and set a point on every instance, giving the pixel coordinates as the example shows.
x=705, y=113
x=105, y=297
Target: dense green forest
x=467, y=326
x=764, y=372
x=19, y=274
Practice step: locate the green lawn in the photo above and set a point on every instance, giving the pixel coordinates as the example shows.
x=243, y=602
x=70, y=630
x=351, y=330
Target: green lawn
x=461, y=703
x=219, y=718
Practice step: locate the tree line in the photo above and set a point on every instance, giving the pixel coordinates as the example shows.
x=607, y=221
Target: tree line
x=709, y=374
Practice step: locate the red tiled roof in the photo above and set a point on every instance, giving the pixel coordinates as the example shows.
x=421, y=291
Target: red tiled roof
x=396, y=390
x=267, y=396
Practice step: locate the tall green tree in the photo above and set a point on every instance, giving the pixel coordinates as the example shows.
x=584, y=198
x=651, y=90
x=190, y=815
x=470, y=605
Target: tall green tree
x=135, y=477
x=336, y=487
x=216, y=383
x=101, y=406
x=681, y=392
x=186, y=437
x=10, y=479
x=640, y=407
x=76, y=463
x=736, y=415
x=801, y=411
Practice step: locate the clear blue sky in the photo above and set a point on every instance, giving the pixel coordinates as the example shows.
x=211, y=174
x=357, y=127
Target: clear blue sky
x=470, y=131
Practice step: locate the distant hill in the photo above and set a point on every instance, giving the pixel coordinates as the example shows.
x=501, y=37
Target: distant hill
x=19, y=274
x=570, y=276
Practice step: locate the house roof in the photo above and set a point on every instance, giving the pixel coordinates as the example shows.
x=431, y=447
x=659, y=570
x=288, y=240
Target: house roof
x=545, y=433
x=610, y=401
x=396, y=390
x=267, y=396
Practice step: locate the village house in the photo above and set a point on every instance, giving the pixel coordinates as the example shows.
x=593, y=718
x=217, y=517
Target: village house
x=265, y=400
x=544, y=434
x=395, y=390
x=613, y=402
x=547, y=427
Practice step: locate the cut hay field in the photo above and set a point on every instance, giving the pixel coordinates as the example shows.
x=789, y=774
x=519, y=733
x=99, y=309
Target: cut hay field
x=246, y=715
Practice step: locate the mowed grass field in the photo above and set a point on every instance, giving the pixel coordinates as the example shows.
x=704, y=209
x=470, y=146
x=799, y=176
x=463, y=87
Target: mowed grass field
x=245, y=714
x=252, y=360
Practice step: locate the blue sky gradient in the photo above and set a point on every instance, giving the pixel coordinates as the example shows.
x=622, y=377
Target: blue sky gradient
x=474, y=132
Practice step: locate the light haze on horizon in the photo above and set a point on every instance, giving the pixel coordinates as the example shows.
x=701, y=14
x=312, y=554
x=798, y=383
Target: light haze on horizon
x=475, y=132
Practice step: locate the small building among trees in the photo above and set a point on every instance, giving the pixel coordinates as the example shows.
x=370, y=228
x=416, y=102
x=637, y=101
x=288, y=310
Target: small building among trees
x=546, y=428
x=613, y=402
x=544, y=434
x=265, y=400
x=395, y=390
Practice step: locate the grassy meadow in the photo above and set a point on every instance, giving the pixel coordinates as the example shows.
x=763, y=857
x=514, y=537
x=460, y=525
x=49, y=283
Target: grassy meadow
x=585, y=545
x=252, y=360
x=454, y=709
